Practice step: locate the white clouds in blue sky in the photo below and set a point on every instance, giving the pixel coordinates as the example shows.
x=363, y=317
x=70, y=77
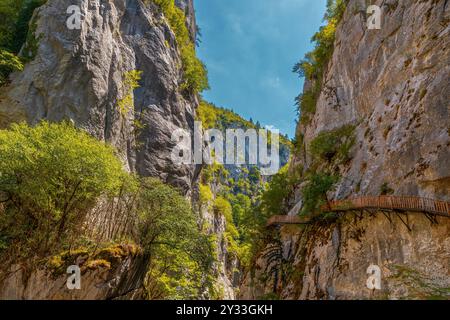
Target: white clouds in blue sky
x=250, y=47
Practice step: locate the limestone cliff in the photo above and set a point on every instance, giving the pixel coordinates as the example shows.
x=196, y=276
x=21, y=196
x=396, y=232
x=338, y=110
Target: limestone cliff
x=79, y=75
x=392, y=85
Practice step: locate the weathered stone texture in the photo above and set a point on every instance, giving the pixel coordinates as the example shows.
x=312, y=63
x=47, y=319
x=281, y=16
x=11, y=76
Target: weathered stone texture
x=78, y=75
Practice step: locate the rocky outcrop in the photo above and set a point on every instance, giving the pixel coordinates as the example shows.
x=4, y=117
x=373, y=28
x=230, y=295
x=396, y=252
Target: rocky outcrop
x=392, y=84
x=330, y=261
x=226, y=265
x=78, y=75
x=119, y=277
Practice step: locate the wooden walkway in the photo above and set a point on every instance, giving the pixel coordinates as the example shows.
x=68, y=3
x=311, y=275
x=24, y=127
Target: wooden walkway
x=390, y=203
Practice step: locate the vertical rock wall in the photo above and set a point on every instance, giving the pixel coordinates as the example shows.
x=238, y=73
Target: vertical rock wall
x=79, y=75
x=393, y=85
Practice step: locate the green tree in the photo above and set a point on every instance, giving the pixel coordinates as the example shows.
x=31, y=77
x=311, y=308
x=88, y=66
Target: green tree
x=334, y=144
x=180, y=255
x=315, y=62
x=8, y=64
x=15, y=16
x=50, y=176
x=315, y=192
x=9, y=14
x=273, y=198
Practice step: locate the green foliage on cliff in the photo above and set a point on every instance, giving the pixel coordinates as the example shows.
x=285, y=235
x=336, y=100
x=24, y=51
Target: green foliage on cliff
x=53, y=175
x=15, y=30
x=50, y=176
x=15, y=16
x=92, y=257
x=130, y=83
x=313, y=66
x=307, y=104
x=195, y=73
x=205, y=194
x=240, y=188
x=314, y=194
x=215, y=117
x=333, y=145
x=8, y=64
x=277, y=191
x=235, y=200
x=180, y=255
x=26, y=30
x=236, y=233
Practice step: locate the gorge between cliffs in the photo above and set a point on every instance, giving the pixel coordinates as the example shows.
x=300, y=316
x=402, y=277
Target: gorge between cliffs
x=96, y=95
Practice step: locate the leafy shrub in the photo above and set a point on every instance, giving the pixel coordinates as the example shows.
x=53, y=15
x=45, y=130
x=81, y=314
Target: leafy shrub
x=15, y=31
x=181, y=256
x=315, y=62
x=9, y=14
x=195, y=73
x=333, y=145
x=130, y=83
x=8, y=64
x=223, y=207
x=307, y=105
x=315, y=192
x=206, y=195
x=50, y=176
x=207, y=114
x=278, y=189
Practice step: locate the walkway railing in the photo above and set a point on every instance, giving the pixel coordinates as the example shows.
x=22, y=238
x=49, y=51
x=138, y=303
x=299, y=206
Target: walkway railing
x=402, y=203
x=279, y=220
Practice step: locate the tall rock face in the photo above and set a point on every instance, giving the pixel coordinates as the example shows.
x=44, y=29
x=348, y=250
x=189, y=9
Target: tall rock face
x=393, y=85
x=79, y=75
x=122, y=279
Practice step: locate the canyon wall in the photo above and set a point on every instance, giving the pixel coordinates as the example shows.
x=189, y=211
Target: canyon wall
x=392, y=85
x=78, y=75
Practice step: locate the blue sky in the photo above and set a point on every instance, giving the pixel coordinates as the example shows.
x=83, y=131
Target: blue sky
x=250, y=47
